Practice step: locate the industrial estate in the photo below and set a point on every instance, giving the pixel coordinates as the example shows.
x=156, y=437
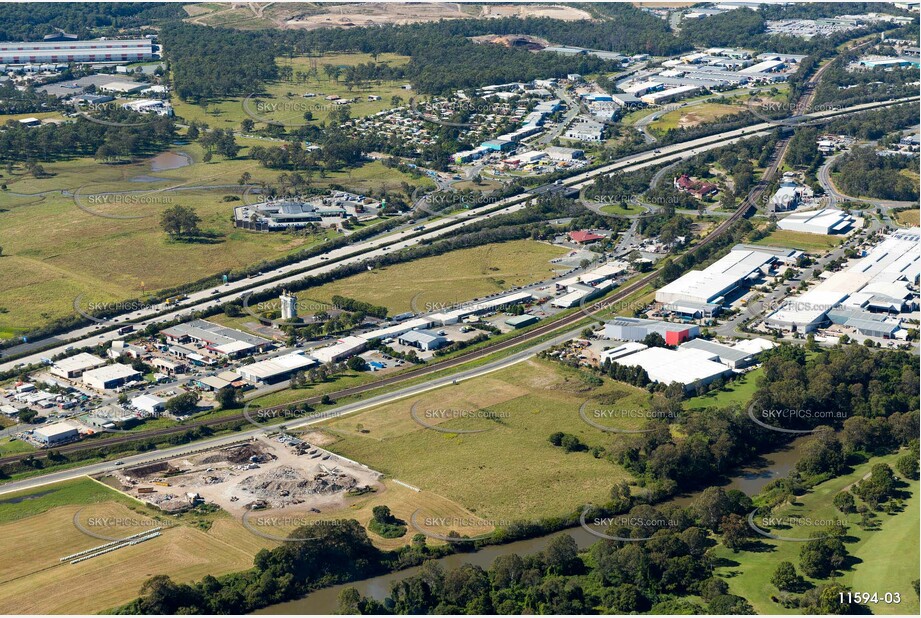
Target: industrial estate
x=456, y=308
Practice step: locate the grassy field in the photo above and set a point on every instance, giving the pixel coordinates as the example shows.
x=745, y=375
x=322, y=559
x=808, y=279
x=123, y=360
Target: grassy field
x=510, y=471
x=283, y=101
x=738, y=392
x=106, y=259
x=886, y=560
x=8, y=447
x=42, y=521
x=804, y=241
x=445, y=279
x=626, y=209
x=910, y=217
x=693, y=115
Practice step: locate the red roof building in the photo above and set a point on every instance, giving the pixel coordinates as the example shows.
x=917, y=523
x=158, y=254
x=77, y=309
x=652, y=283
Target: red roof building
x=695, y=187
x=584, y=236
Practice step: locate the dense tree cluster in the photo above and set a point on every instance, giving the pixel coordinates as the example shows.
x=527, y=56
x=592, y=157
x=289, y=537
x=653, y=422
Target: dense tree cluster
x=335, y=554
x=873, y=125
x=14, y=101
x=730, y=29
x=209, y=63
x=863, y=173
x=351, y=304
x=663, y=556
x=879, y=392
x=130, y=134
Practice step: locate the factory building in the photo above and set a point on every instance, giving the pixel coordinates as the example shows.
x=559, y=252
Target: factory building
x=276, y=369
x=522, y=321
x=74, y=366
x=622, y=350
x=735, y=356
x=56, y=434
x=93, y=51
x=637, y=329
x=425, y=340
x=558, y=153
x=893, y=261
x=691, y=368
x=826, y=221
x=672, y=94
x=342, y=349
x=585, y=130
x=714, y=283
x=149, y=404
x=217, y=339
x=110, y=376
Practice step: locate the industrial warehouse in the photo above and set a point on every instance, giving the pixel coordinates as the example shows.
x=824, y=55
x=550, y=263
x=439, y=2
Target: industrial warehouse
x=868, y=295
x=65, y=51
x=825, y=222
x=714, y=284
x=689, y=361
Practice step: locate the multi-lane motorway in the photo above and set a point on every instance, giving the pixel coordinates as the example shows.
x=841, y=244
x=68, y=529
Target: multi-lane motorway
x=365, y=251
x=553, y=331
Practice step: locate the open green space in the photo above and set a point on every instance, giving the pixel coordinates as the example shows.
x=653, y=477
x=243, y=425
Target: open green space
x=693, y=115
x=804, y=241
x=283, y=100
x=82, y=250
x=443, y=280
x=14, y=447
x=738, y=392
x=886, y=559
x=507, y=470
x=623, y=209
x=22, y=504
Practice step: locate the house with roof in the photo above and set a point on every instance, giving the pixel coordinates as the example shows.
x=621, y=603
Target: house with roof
x=697, y=188
x=584, y=236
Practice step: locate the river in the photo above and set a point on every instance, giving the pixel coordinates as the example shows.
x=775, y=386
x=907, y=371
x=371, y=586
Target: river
x=326, y=600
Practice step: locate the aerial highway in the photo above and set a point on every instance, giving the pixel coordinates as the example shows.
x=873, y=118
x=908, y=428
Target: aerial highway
x=106, y=330
x=542, y=336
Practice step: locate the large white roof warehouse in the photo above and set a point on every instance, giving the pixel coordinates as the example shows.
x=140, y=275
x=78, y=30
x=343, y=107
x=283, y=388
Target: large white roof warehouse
x=825, y=221
x=713, y=283
x=275, y=369
x=685, y=366
x=894, y=259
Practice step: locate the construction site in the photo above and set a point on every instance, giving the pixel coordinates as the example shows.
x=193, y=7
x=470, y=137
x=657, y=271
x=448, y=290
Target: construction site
x=275, y=472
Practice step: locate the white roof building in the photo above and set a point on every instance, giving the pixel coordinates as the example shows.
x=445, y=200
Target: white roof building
x=685, y=366
x=398, y=329
x=148, y=403
x=764, y=67
x=345, y=347
x=620, y=351
x=56, y=433
x=277, y=368
x=894, y=259
x=110, y=376
x=74, y=366
x=826, y=221
x=718, y=279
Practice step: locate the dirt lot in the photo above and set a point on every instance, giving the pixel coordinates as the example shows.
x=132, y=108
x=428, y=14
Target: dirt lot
x=553, y=11
x=370, y=14
x=265, y=473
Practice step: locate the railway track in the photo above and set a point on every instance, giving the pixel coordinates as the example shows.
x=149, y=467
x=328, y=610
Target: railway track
x=419, y=371
x=561, y=324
